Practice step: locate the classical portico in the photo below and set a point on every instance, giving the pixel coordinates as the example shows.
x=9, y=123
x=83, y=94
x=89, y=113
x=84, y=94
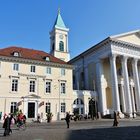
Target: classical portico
x=126, y=99
x=114, y=66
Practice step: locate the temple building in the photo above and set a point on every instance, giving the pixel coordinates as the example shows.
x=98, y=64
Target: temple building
x=112, y=68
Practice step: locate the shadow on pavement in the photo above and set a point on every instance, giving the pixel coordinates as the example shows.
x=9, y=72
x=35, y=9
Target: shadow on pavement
x=113, y=133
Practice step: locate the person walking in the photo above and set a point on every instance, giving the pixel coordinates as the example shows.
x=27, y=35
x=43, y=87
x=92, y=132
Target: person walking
x=67, y=119
x=11, y=122
x=6, y=125
x=116, y=117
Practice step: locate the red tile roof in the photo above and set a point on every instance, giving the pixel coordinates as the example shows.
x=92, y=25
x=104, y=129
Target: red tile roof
x=29, y=54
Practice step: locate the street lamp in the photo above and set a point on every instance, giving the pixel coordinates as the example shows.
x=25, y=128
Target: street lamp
x=59, y=100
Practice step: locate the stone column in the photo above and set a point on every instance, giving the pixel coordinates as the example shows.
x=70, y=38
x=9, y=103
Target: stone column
x=114, y=80
x=126, y=86
x=136, y=82
x=86, y=77
x=101, y=88
x=133, y=101
x=123, y=98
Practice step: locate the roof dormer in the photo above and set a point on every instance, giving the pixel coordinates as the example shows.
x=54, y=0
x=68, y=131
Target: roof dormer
x=16, y=54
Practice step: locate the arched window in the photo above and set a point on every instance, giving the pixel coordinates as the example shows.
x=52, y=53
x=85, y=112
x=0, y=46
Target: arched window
x=61, y=46
x=78, y=101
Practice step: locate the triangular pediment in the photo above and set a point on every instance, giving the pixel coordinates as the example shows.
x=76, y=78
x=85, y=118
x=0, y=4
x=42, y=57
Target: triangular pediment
x=32, y=96
x=129, y=37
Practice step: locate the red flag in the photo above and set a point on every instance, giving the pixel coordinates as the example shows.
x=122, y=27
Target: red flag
x=41, y=104
x=19, y=103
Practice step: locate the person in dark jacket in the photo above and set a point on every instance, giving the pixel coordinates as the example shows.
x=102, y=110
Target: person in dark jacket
x=10, y=122
x=67, y=119
x=6, y=126
x=116, y=117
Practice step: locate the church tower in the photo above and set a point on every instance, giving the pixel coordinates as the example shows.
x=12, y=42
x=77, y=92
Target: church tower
x=59, y=39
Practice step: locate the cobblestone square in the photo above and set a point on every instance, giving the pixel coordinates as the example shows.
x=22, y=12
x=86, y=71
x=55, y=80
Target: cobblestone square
x=80, y=130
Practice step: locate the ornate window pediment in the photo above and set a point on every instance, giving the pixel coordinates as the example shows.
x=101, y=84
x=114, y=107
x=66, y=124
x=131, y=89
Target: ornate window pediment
x=32, y=96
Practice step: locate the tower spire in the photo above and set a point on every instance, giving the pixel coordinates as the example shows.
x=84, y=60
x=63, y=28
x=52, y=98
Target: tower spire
x=59, y=39
x=59, y=23
x=59, y=10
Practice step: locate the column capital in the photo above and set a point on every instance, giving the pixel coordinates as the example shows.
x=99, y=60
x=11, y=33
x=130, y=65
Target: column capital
x=124, y=58
x=135, y=60
x=113, y=56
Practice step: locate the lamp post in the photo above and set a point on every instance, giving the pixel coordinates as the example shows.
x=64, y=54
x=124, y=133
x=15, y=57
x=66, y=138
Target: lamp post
x=59, y=106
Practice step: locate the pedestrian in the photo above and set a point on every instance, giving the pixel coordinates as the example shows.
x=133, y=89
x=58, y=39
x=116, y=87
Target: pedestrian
x=6, y=125
x=11, y=121
x=38, y=118
x=67, y=119
x=116, y=119
x=0, y=115
x=24, y=119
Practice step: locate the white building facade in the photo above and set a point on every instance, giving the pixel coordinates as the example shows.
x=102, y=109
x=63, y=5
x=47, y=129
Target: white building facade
x=112, y=68
x=36, y=82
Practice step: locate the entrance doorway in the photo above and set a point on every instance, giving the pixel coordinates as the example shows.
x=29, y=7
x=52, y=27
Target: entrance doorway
x=31, y=110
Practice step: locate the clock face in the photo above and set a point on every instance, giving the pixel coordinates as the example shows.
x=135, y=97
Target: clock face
x=61, y=36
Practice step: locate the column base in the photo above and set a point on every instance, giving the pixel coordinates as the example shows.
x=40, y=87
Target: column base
x=129, y=115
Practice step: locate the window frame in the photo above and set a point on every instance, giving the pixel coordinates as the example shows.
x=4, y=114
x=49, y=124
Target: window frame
x=63, y=71
x=49, y=87
x=15, y=67
x=14, y=84
x=61, y=46
x=48, y=70
x=32, y=68
x=48, y=107
x=13, y=107
x=32, y=86
x=63, y=107
x=63, y=87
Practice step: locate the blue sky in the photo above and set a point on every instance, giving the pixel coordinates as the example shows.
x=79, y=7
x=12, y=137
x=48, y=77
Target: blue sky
x=27, y=23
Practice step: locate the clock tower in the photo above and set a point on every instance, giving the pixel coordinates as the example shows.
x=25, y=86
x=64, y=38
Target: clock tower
x=59, y=39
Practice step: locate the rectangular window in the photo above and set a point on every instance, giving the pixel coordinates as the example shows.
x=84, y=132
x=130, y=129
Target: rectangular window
x=14, y=107
x=14, y=84
x=16, y=67
x=32, y=69
x=62, y=71
x=48, y=87
x=48, y=70
x=48, y=107
x=63, y=107
x=32, y=86
x=63, y=88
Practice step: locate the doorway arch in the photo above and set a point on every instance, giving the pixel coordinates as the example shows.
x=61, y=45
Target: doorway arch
x=78, y=106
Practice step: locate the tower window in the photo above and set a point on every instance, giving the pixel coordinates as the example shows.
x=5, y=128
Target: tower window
x=53, y=47
x=61, y=46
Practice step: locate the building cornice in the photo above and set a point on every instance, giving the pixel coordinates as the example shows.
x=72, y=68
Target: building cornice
x=31, y=75
x=92, y=49
x=126, y=44
x=104, y=43
x=35, y=62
